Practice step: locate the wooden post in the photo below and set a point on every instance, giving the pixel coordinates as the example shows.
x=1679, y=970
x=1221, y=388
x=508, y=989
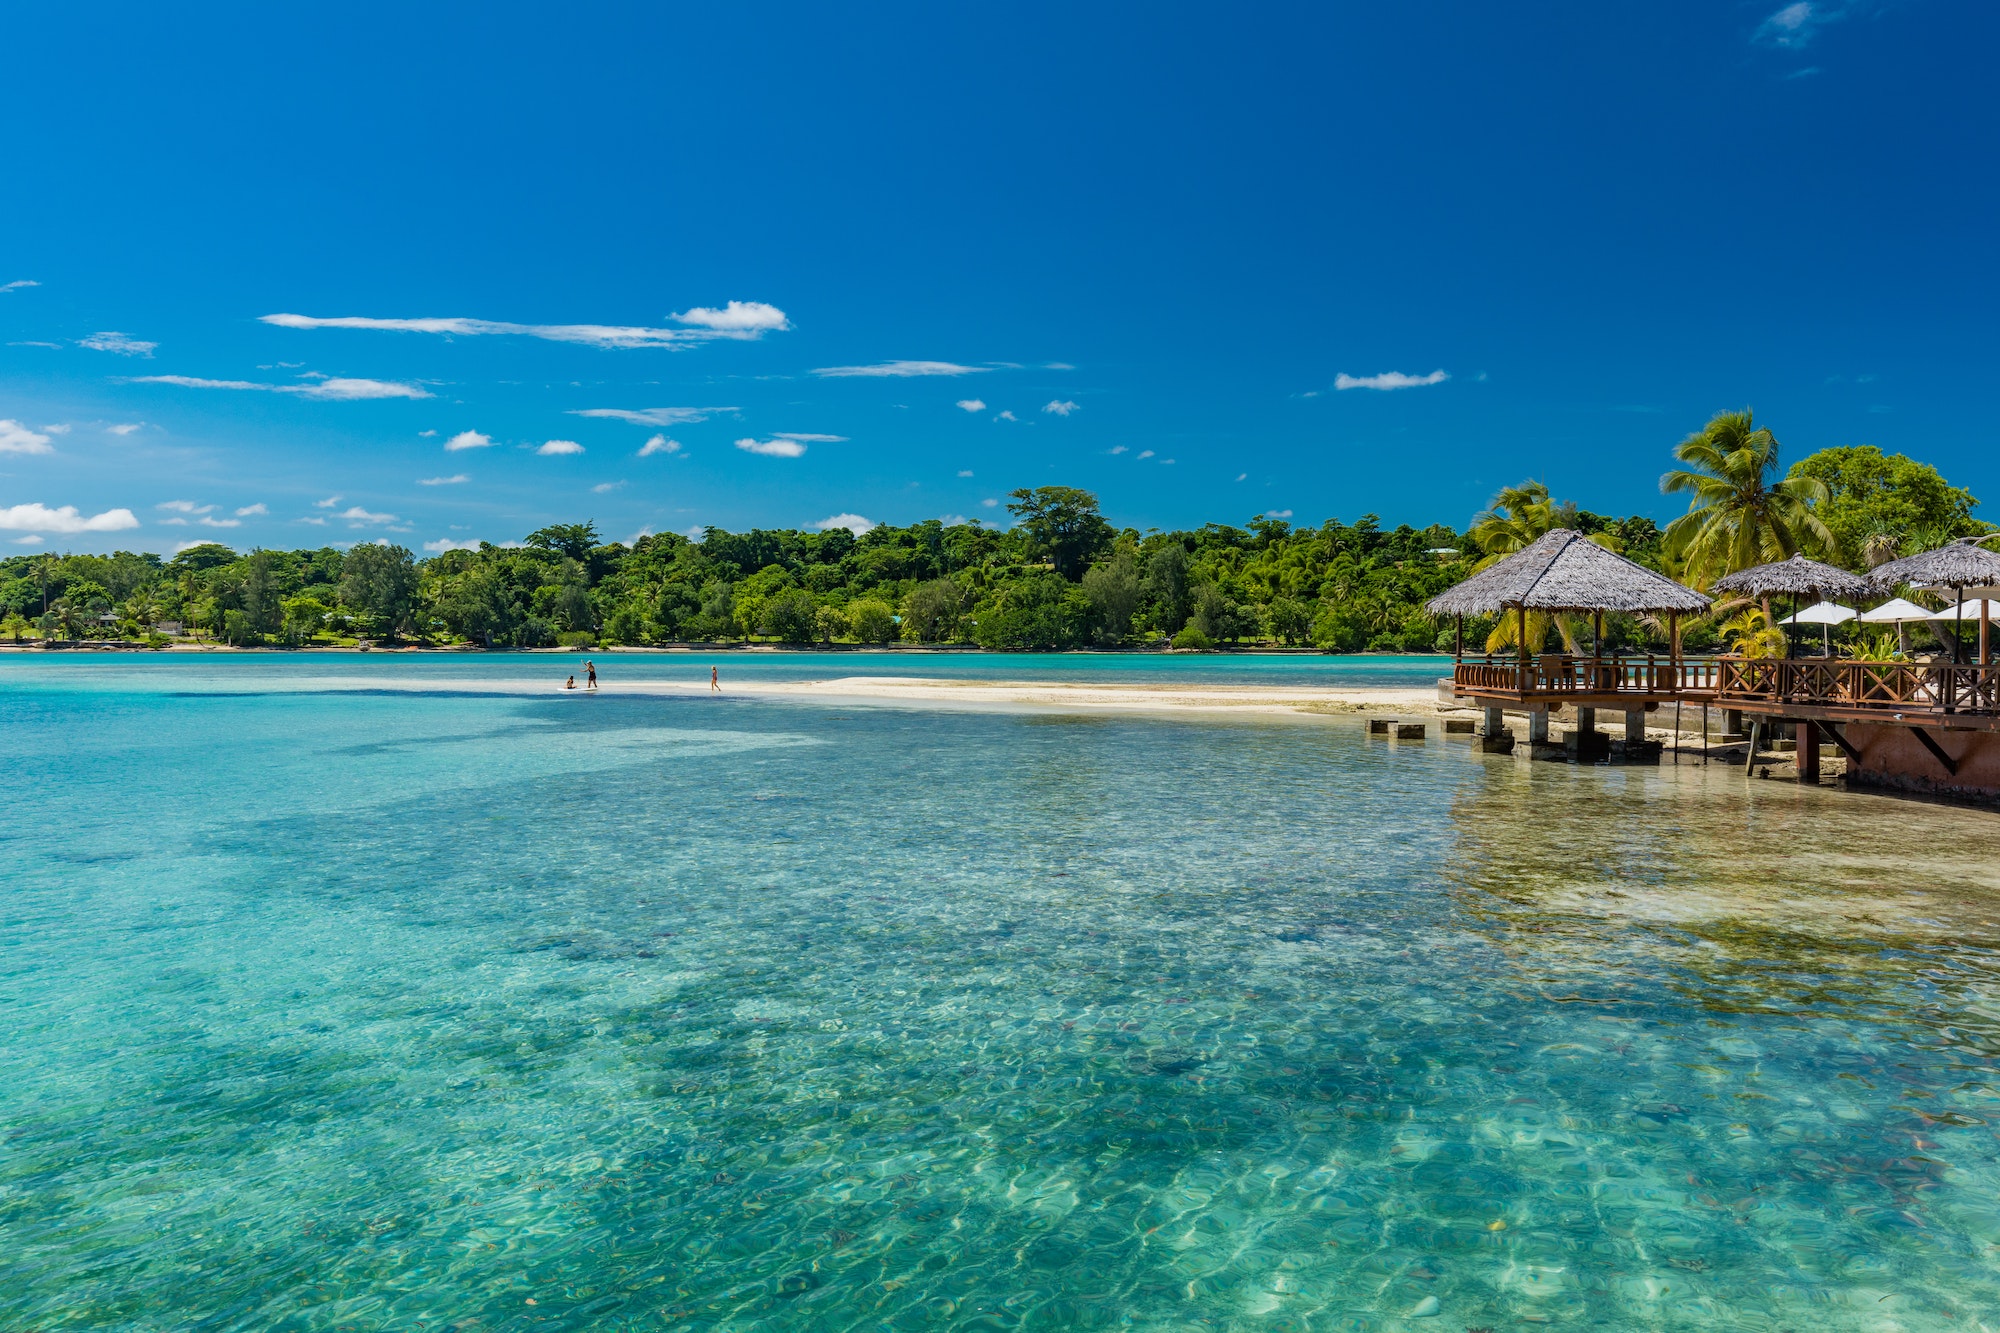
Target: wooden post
x=1458, y=639
x=1522, y=635
x=1808, y=754
x=1985, y=627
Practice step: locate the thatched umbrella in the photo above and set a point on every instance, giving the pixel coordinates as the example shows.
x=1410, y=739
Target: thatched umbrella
x=1956, y=565
x=1796, y=577
x=1563, y=571
x=1959, y=564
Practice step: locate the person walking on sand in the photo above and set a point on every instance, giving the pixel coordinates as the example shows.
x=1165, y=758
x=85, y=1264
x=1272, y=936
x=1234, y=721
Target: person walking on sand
x=714, y=681
x=589, y=675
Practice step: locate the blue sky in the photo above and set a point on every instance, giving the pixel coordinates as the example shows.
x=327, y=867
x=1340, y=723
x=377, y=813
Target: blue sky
x=1134, y=248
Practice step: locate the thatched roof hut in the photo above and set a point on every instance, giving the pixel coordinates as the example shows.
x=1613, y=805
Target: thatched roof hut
x=1796, y=577
x=1563, y=570
x=1959, y=564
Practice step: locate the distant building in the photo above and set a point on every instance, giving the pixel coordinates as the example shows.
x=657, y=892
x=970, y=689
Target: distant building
x=168, y=627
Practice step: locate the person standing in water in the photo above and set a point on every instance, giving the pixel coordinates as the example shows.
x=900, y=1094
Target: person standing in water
x=714, y=681
x=589, y=675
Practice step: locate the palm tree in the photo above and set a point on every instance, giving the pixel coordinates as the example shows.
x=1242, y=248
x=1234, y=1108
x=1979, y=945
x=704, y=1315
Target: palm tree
x=1756, y=634
x=1516, y=518
x=1743, y=513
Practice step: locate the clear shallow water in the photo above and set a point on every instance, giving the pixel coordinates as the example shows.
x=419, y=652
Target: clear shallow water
x=365, y=1011
x=1280, y=669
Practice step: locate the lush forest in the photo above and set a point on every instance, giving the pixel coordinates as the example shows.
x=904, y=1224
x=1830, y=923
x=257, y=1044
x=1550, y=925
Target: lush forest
x=1058, y=577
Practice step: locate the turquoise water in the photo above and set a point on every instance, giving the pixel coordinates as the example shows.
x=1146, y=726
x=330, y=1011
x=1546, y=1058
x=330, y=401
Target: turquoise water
x=379, y=1009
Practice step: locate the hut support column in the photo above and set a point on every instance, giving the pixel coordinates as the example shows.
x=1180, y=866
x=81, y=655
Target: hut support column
x=1494, y=723
x=1538, y=727
x=1808, y=753
x=1635, y=726
x=1985, y=628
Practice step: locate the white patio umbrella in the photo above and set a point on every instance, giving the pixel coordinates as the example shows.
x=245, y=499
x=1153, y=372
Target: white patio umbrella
x=1896, y=612
x=1899, y=612
x=1823, y=614
x=1979, y=611
x=1972, y=609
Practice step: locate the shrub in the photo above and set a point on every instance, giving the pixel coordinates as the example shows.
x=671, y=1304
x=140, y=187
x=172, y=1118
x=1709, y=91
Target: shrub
x=577, y=639
x=1193, y=639
x=872, y=621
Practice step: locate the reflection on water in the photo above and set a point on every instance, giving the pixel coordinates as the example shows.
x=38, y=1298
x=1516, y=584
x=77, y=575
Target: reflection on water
x=360, y=1012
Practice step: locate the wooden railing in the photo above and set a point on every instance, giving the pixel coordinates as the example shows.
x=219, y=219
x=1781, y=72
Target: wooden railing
x=1904, y=687
x=1563, y=675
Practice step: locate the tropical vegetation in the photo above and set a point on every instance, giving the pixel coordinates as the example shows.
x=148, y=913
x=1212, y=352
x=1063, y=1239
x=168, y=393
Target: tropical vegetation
x=1060, y=576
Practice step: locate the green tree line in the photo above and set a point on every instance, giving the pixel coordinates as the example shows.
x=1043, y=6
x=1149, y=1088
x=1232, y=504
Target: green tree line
x=1059, y=577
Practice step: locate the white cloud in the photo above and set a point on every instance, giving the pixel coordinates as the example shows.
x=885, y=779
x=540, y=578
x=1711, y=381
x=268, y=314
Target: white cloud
x=805, y=437
x=990, y=504
x=173, y=522
x=1006, y=416
x=659, y=444
x=605, y=487
x=426, y=434
x=772, y=448
x=1061, y=407
x=454, y=480
x=118, y=343
x=737, y=320
x=467, y=439
x=1278, y=513
x=854, y=523
x=31, y=342
x=41, y=518
x=560, y=447
x=1117, y=449
x=356, y=515
x=1166, y=462
x=185, y=507
x=952, y=520
x=653, y=416
x=124, y=427
x=327, y=503
x=212, y=522
x=316, y=522
x=1389, y=379
x=17, y=284
x=248, y=510
x=965, y=472
x=331, y=389
x=1058, y=365
x=1793, y=25
x=448, y=544
x=1145, y=453
x=32, y=539
x=898, y=370
x=16, y=438
x=972, y=404
x=1243, y=476
x=59, y=428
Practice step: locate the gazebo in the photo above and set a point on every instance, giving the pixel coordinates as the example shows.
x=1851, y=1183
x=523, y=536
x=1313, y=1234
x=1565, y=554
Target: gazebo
x=1564, y=573
x=1956, y=566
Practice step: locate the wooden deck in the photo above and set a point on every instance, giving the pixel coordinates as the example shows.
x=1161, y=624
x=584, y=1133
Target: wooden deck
x=1819, y=689
x=1555, y=679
